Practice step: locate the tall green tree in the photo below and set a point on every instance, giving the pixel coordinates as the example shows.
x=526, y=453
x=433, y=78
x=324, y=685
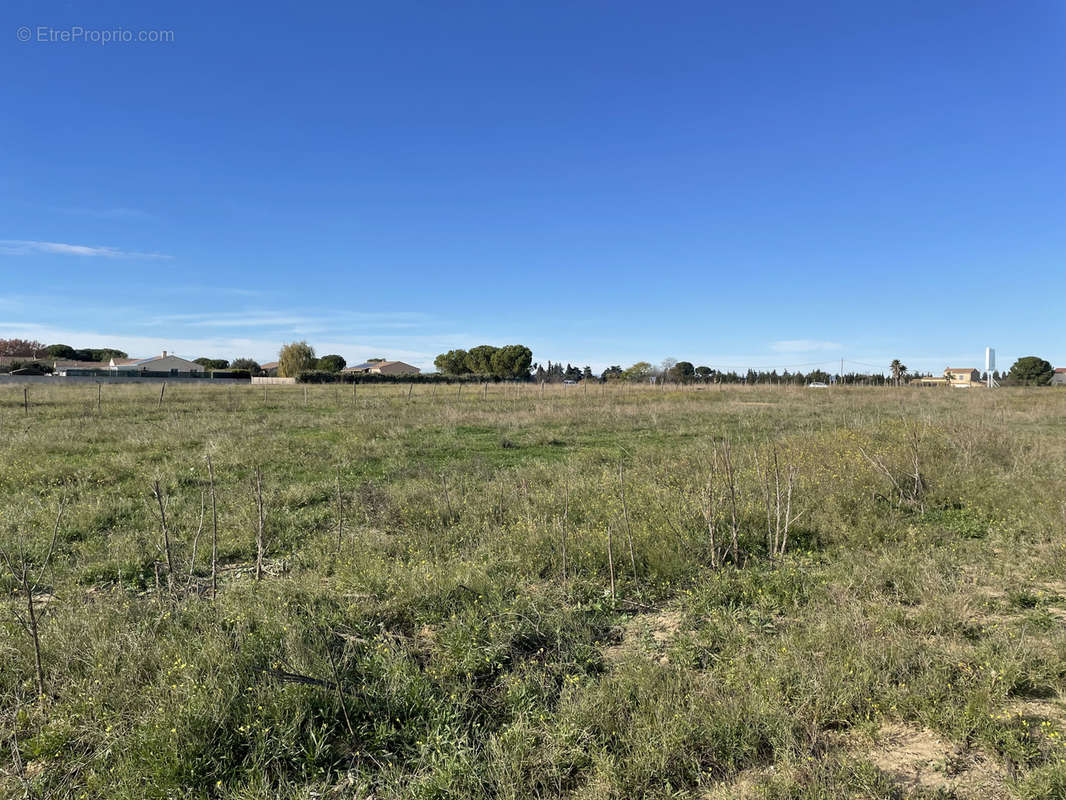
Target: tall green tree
x=294, y=358
x=331, y=363
x=640, y=371
x=452, y=363
x=899, y=369
x=60, y=351
x=682, y=371
x=1030, y=371
x=511, y=361
x=479, y=359
x=98, y=354
x=247, y=364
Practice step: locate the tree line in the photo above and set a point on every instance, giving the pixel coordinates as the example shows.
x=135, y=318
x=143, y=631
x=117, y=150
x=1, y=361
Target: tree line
x=685, y=372
x=1026, y=371
x=515, y=362
x=30, y=356
x=293, y=359
x=34, y=351
x=509, y=361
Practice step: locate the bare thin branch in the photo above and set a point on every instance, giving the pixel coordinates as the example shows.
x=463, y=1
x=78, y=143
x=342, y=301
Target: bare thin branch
x=51, y=547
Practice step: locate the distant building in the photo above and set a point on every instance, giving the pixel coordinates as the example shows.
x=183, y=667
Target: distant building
x=1058, y=377
x=958, y=378
x=383, y=368
x=167, y=362
x=270, y=369
x=67, y=363
x=928, y=380
x=962, y=378
x=61, y=366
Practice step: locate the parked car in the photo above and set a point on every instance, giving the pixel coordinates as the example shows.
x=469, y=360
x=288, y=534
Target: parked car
x=817, y=385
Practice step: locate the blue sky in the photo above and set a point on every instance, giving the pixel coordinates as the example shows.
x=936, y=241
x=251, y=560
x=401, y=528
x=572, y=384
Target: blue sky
x=736, y=184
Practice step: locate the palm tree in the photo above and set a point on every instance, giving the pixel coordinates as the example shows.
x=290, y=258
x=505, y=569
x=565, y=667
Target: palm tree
x=899, y=369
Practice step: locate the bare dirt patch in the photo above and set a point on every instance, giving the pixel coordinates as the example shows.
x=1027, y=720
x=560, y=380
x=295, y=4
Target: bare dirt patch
x=659, y=626
x=664, y=626
x=744, y=786
x=917, y=758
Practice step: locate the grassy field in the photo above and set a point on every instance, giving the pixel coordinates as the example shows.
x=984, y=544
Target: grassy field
x=533, y=594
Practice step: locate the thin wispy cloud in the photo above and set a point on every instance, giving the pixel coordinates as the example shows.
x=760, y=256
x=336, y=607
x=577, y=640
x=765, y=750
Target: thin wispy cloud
x=24, y=247
x=262, y=320
x=417, y=350
x=310, y=321
x=119, y=213
x=804, y=346
x=200, y=291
